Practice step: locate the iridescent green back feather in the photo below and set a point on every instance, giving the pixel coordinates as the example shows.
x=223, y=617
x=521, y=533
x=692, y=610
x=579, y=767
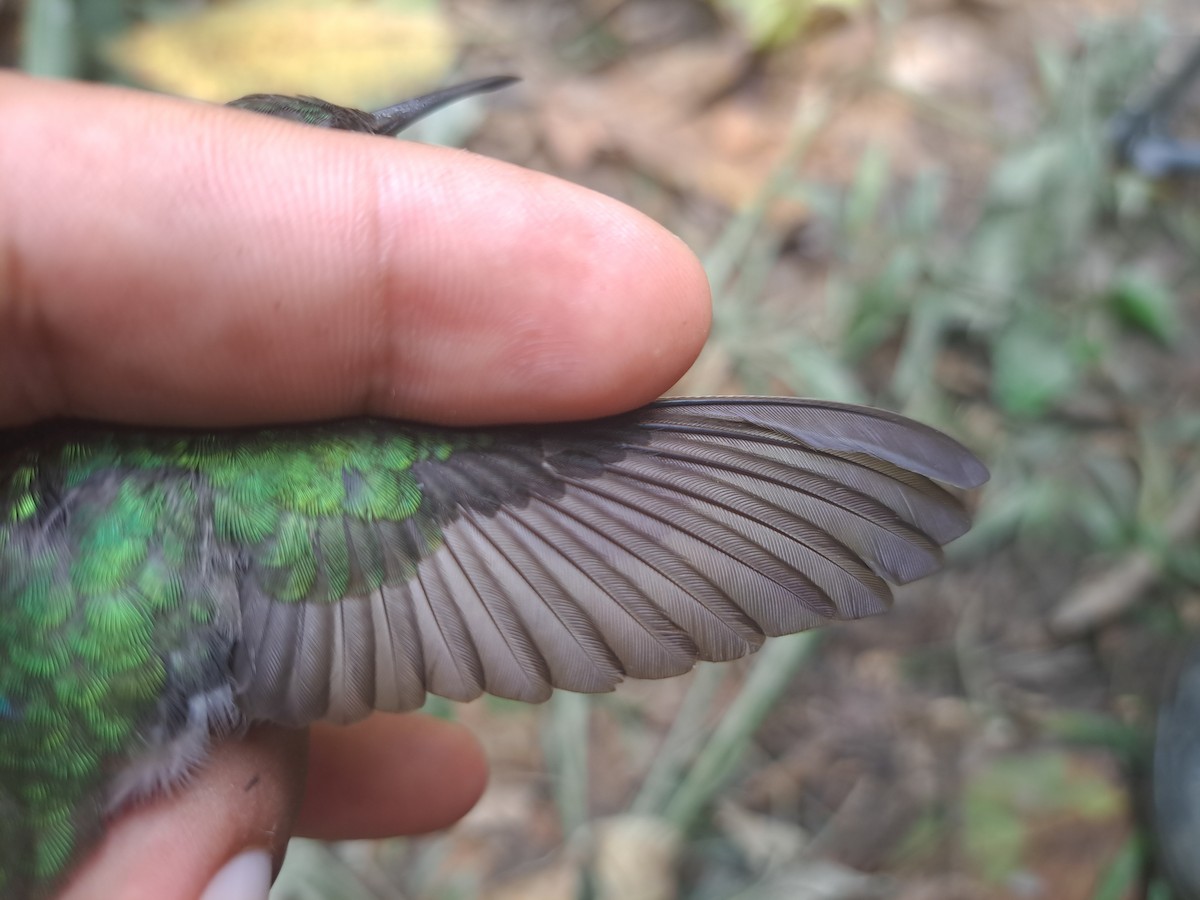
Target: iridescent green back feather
x=101, y=628
x=120, y=554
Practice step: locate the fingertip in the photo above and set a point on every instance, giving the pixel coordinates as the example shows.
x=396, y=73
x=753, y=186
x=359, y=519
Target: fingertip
x=640, y=318
x=609, y=321
x=245, y=877
x=390, y=775
x=546, y=301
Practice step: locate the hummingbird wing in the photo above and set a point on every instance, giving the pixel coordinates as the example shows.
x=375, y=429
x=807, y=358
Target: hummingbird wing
x=570, y=556
x=157, y=587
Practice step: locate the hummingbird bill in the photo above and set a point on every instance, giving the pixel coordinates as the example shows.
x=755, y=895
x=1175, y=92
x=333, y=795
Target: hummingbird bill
x=162, y=589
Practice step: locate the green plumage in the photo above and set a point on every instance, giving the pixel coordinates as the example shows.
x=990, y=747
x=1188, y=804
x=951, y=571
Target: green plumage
x=86, y=632
x=108, y=604
x=161, y=589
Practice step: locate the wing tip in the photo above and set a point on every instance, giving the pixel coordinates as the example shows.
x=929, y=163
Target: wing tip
x=954, y=464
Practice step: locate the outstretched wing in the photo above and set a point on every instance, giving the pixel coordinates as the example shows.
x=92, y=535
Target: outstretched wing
x=570, y=556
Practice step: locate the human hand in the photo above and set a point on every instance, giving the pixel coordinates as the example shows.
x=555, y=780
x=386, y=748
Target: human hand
x=165, y=262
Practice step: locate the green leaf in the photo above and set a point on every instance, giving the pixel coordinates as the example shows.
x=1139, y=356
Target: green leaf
x=771, y=23
x=1140, y=301
x=871, y=182
x=1032, y=371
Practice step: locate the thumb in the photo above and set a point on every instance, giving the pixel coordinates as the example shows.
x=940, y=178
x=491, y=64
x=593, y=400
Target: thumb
x=223, y=835
x=244, y=798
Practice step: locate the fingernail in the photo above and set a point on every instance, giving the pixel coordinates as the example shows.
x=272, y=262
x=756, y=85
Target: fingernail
x=245, y=877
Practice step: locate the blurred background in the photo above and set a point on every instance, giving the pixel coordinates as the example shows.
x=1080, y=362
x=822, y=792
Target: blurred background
x=911, y=204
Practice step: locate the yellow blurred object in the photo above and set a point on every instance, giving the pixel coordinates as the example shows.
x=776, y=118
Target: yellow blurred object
x=351, y=53
x=769, y=23
x=636, y=858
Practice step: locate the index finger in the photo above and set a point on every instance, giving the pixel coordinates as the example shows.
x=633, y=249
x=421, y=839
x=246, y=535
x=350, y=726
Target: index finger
x=164, y=261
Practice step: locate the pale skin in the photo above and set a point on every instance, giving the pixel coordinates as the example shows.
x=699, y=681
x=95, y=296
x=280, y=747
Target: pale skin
x=178, y=263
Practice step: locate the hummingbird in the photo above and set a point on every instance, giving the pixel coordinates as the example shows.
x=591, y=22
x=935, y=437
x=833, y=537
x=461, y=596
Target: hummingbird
x=161, y=589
